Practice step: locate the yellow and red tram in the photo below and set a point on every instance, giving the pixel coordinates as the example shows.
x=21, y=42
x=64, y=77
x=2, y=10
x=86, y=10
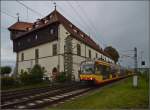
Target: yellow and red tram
x=99, y=71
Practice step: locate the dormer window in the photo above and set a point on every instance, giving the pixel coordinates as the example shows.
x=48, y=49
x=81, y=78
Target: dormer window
x=75, y=30
x=82, y=35
x=29, y=29
x=36, y=25
x=46, y=21
x=70, y=25
x=51, y=31
x=50, y=16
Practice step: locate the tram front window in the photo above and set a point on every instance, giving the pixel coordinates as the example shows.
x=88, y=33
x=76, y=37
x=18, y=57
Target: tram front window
x=87, y=69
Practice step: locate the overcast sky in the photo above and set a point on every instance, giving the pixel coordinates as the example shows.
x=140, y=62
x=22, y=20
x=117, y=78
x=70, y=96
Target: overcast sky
x=121, y=24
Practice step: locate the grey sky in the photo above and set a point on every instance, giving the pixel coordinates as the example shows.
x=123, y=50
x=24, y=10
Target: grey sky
x=122, y=24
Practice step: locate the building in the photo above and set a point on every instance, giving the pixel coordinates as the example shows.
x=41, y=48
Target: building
x=45, y=42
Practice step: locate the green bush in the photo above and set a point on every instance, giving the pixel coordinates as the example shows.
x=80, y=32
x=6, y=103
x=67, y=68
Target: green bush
x=8, y=81
x=25, y=77
x=61, y=77
x=5, y=70
x=37, y=73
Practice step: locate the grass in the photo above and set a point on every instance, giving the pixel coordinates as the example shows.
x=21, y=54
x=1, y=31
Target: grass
x=120, y=95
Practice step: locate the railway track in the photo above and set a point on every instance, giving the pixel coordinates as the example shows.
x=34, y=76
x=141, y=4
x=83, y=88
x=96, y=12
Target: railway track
x=14, y=92
x=29, y=92
x=40, y=98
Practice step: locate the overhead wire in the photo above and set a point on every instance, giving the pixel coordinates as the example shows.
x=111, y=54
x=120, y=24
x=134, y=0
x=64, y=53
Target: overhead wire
x=28, y=8
x=81, y=18
x=89, y=21
x=8, y=14
x=77, y=13
x=70, y=15
x=53, y=1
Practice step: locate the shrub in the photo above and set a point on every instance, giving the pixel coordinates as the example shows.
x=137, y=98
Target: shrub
x=25, y=77
x=61, y=77
x=5, y=70
x=37, y=73
x=8, y=81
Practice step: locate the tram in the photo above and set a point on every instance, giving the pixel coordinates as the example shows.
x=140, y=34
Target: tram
x=100, y=71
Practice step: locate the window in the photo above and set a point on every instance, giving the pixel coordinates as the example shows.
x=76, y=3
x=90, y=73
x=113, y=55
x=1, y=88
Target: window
x=18, y=43
x=89, y=53
x=51, y=31
x=36, y=37
x=78, y=49
x=22, y=57
x=36, y=56
x=28, y=39
x=96, y=55
x=29, y=69
x=87, y=68
x=54, y=49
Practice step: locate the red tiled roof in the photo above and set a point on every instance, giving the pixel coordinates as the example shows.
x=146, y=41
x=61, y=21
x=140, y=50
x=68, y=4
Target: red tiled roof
x=86, y=39
x=22, y=26
x=57, y=17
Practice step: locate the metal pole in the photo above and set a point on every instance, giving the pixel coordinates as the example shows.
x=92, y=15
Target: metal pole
x=135, y=59
x=59, y=49
x=135, y=77
x=141, y=59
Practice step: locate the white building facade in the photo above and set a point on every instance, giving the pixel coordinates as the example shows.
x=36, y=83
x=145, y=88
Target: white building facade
x=50, y=54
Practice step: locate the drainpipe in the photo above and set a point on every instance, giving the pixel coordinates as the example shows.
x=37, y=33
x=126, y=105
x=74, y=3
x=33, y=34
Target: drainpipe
x=59, y=48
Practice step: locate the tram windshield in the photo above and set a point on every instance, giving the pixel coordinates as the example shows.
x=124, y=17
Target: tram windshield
x=87, y=68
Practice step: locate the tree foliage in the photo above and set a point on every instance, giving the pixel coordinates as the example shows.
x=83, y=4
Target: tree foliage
x=6, y=70
x=36, y=75
x=112, y=52
x=25, y=77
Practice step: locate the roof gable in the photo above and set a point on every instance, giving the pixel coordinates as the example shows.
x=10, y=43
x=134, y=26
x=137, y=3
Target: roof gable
x=55, y=16
x=21, y=26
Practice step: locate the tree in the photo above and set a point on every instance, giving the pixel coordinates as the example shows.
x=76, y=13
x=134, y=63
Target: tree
x=25, y=77
x=112, y=52
x=37, y=73
x=6, y=70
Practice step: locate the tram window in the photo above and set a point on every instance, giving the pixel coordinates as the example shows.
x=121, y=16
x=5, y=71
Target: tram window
x=104, y=69
x=107, y=70
x=97, y=69
x=88, y=68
